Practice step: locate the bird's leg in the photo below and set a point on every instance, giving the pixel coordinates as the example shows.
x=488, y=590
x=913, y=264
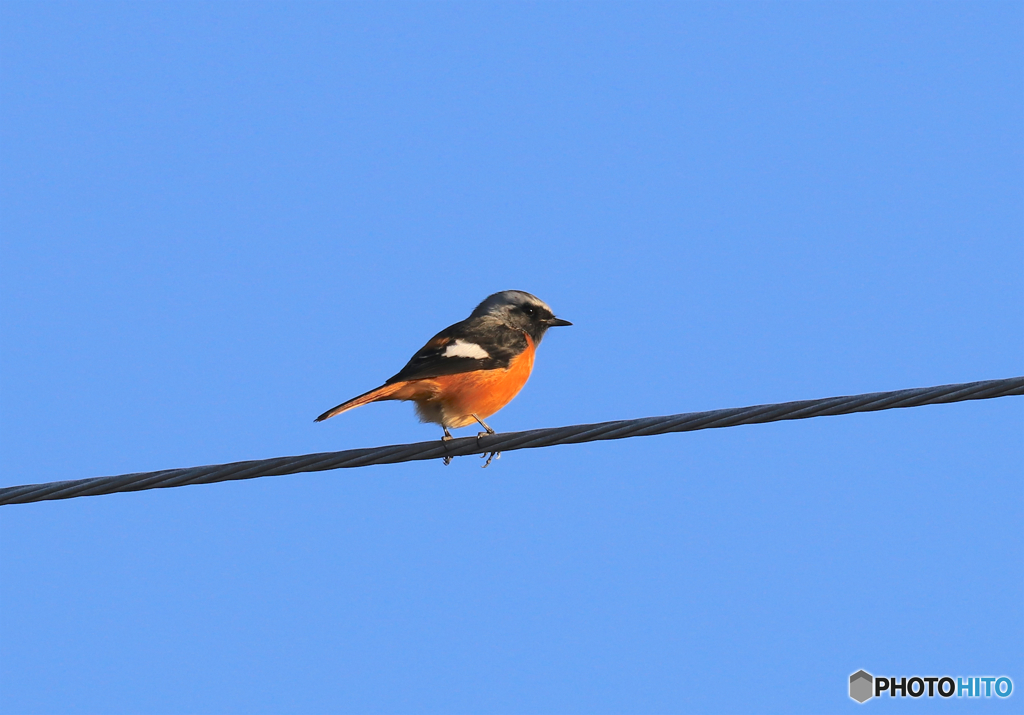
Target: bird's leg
x=482, y=424
x=490, y=455
x=447, y=436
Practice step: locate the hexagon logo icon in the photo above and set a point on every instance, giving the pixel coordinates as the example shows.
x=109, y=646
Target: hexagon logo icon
x=861, y=684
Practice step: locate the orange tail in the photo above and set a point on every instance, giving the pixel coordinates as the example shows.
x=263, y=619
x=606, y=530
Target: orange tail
x=383, y=392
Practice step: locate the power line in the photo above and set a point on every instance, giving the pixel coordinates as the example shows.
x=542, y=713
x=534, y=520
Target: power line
x=508, y=441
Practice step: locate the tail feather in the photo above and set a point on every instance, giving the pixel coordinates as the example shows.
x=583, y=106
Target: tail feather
x=380, y=393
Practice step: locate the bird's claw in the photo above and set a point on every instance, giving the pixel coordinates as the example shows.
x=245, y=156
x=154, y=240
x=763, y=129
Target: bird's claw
x=490, y=455
x=447, y=459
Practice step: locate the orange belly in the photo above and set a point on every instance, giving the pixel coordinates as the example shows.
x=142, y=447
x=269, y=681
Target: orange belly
x=452, y=400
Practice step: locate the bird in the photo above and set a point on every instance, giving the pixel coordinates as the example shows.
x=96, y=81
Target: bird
x=471, y=369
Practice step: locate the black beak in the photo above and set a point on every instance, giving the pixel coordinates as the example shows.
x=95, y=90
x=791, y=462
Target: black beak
x=555, y=322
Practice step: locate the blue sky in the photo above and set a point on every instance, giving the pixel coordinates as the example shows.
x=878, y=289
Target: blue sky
x=220, y=219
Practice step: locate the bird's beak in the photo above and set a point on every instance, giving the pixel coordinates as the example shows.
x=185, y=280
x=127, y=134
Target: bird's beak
x=554, y=322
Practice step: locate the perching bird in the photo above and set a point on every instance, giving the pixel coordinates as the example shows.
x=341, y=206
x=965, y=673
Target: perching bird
x=472, y=369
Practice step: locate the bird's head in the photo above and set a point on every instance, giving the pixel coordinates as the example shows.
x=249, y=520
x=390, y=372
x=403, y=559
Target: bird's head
x=519, y=310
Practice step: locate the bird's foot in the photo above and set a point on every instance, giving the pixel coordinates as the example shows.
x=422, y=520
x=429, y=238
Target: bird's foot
x=489, y=455
x=444, y=440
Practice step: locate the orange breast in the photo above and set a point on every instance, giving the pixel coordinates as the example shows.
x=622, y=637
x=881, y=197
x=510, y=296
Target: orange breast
x=484, y=392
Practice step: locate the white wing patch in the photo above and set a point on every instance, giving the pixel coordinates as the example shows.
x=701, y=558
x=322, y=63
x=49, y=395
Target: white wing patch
x=460, y=348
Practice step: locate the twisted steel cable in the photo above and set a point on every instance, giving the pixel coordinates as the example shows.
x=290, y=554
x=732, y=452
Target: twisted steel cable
x=508, y=441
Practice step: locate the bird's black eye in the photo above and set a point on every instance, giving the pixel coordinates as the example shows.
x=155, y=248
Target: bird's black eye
x=529, y=310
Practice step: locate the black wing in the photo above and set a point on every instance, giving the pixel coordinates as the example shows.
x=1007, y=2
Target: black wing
x=441, y=355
